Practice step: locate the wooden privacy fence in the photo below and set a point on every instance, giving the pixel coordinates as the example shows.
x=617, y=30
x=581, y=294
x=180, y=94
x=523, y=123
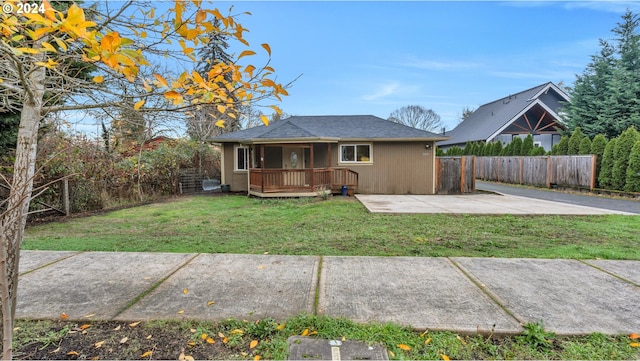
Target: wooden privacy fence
x=542, y=171
x=455, y=175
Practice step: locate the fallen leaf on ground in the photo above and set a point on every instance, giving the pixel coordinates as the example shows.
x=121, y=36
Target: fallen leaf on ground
x=117, y=328
x=203, y=336
x=221, y=335
x=55, y=351
x=210, y=303
x=64, y=316
x=210, y=340
x=134, y=324
x=147, y=354
x=184, y=357
x=281, y=326
x=634, y=344
x=149, y=337
x=634, y=336
x=391, y=354
x=85, y=326
x=256, y=358
x=124, y=340
x=72, y=353
x=185, y=291
x=98, y=344
x=461, y=340
x=191, y=343
x=237, y=332
x=180, y=312
x=253, y=344
x=89, y=316
x=261, y=266
x=305, y=332
x=444, y=357
x=404, y=347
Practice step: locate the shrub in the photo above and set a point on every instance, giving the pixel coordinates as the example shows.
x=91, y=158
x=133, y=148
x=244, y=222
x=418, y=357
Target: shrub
x=621, y=153
x=598, y=145
x=563, y=146
x=573, y=147
x=633, y=170
x=585, y=146
x=606, y=166
x=527, y=145
x=516, y=146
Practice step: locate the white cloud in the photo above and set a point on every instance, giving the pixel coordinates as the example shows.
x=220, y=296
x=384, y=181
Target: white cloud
x=383, y=92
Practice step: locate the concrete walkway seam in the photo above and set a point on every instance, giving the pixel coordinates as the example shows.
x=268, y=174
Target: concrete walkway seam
x=316, y=298
x=154, y=286
x=609, y=273
x=49, y=264
x=495, y=298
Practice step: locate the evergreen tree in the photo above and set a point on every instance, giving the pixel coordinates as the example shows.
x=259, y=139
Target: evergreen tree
x=597, y=147
x=605, y=96
x=527, y=145
x=479, y=149
x=574, y=141
x=497, y=149
x=621, y=153
x=606, y=166
x=537, y=151
x=633, y=170
x=585, y=146
x=516, y=146
x=468, y=148
x=563, y=146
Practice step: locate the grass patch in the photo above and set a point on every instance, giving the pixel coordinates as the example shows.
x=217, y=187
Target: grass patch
x=232, y=339
x=336, y=227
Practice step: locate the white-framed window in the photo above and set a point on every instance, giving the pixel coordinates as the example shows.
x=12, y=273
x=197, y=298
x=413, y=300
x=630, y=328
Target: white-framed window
x=241, y=158
x=537, y=144
x=356, y=153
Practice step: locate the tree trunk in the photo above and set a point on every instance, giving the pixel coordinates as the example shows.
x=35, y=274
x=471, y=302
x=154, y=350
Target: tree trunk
x=14, y=220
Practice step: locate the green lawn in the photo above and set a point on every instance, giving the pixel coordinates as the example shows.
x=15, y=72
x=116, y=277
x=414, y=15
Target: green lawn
x=338, y=226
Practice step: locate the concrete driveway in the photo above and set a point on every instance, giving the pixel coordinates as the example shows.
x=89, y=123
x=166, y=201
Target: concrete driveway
x=480, y=203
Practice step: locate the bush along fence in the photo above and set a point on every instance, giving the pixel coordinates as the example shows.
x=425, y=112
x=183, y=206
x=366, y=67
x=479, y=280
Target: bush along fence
x=544, y=171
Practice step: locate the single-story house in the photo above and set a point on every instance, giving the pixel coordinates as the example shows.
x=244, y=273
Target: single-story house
x=534, y=111
x=303, y=155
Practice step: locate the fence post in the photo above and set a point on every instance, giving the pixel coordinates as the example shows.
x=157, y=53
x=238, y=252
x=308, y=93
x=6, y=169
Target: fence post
x=520, y=173
x=462, y=172
x=593, y=172
x=65, y=196
x=548, y=171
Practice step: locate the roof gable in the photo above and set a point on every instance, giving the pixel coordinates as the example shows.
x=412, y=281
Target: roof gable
x=329, y=127
x=491, y=118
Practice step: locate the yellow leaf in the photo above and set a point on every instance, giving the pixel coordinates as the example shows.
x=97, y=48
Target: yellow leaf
x=61, y=43
x=73, y=353
x=461, y=340
x=264, y=119
x=427, y=341
x=404, y=347
x=98, y=344
x=203, y=336
x=237, y=331
x=210, y=303
x=48, y=46
x=146, y=354
x=149, y=337
x=267, y=48
x=134, y=324
x=98, y=79
x=221, y=335
x=344, y=338
x=221, y=108
x=634, y=344
x=173, y=95
x=161, y=80
x=634, y=336
x=256, y=358
x=180, y=312
x=210, y=340
x=117, y=328
x=185, y=291
x=138, y=104
x=200, y=15
x=85, y=326
x=225, y=340
x=246, y=53
x=220, y=123
x=253, y=344
x=391, y=354
x=191, y=343
x=444, y=357
x=64, y=316
x=281, y=327
x=305, y=332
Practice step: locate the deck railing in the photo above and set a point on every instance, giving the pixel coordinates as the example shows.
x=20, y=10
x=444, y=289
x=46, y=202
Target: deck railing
x=301, y=180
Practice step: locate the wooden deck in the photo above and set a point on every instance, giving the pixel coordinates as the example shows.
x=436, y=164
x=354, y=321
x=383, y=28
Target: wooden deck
x=299, y=182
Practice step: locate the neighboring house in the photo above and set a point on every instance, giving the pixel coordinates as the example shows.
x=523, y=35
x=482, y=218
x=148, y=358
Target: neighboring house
x=534, y=111
x=303, y=155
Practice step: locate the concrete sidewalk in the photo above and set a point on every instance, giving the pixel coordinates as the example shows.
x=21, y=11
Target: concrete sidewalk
x=465, y=295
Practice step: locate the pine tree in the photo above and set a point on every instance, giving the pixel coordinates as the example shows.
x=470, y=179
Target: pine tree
x=574, y=141
x=585, y=146
x=633, y=170
x=606, y=167
x=563, y=146
x=497, y=149
x=527, y=145
x=516, y=146
x=621, y=153
x=597, y=147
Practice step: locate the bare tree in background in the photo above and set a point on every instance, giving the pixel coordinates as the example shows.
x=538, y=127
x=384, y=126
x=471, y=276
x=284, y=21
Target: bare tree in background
x=417, y=116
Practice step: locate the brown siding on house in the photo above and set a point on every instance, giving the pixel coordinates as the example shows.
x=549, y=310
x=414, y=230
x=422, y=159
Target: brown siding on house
x=236, y=179
x=398, y=168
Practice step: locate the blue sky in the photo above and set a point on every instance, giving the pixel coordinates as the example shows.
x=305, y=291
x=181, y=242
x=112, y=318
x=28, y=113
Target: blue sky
x=363, y=57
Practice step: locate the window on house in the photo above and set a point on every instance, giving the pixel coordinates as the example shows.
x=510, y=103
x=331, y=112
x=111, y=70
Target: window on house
x=242, y=158
x=355, y=153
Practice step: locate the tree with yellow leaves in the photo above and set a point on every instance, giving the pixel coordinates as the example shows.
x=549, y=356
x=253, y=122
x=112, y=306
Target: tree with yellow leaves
x=38, y=44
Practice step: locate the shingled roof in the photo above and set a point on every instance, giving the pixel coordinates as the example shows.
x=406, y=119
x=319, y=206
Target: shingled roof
x=329, y=128
x=492, y=118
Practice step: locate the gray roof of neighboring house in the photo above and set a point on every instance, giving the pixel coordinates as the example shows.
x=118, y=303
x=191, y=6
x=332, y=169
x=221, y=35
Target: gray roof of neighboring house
x=489, y=118
x=329, y=128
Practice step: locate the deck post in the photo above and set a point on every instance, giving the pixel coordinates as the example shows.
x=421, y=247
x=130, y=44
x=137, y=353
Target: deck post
x=312, y=171
x=262, y=168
